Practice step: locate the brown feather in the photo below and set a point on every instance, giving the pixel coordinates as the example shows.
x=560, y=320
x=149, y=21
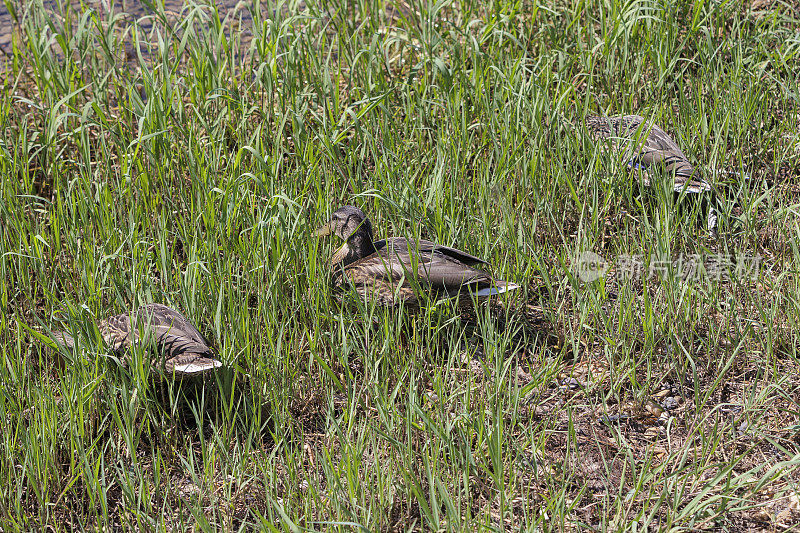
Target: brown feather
x=647, y=146
x=182, y=347
x=397, y=270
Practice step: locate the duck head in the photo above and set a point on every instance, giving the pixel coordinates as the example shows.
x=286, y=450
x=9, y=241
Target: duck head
x=351, y=225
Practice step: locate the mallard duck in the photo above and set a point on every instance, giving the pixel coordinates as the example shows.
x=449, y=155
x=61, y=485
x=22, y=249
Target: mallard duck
x=396, y=270
x=184, y=350
x=647, y=146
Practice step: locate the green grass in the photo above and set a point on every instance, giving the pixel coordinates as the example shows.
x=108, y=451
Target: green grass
x=194, y=173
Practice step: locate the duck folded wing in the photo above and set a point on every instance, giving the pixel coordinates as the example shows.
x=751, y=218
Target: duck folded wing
x=181, y=354
x=444, y=273
x=161, y=315
x=434, y=268
x=645, y=141
x=675, y=162
x=180, y=346
x=658, y=148
x=121, y=331
x=426, y=247
x=647, y=147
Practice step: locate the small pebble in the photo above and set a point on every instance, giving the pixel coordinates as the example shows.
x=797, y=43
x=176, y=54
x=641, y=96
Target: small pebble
x=613, y=419
x=570, y=383
x=670, y=403
x=731, y=409
x=742, y=429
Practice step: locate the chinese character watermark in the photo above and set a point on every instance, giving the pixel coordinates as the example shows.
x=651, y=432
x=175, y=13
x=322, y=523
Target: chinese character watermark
x=590, y=266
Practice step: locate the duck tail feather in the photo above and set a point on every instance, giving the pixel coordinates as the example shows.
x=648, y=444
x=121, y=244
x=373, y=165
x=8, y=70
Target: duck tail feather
x=499, y=287
x=196, y=365
x=691, y=187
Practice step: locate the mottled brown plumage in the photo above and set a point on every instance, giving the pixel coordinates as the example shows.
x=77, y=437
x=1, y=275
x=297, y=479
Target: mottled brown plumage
x=647, y=147
x=397, y=270
x=182, y=349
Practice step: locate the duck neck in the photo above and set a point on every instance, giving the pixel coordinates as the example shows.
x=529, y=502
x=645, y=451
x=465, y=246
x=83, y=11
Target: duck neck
x=358, y=246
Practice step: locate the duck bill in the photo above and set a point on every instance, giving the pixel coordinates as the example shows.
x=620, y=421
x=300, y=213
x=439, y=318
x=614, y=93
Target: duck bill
x=327, y=229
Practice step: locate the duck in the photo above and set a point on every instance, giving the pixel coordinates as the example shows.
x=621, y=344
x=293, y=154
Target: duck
x=649, y=148
x=397, y=270
x=183, y=349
